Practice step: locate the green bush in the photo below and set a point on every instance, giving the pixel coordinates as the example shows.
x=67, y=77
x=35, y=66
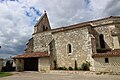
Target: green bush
x=79, y=68
x=62, y=68
x=76, y=68
x=85, y=66
x=70, y=68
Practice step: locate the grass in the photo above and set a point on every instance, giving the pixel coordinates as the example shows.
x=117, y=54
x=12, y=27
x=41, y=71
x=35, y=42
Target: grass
x=3, y=74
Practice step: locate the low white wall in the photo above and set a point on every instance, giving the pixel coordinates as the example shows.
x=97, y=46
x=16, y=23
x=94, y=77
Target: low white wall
x=112, y=66
x=44, y=64
x=19, y=65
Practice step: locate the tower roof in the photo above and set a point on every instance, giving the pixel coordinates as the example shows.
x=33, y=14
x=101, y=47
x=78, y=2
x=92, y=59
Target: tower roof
x=44, y=15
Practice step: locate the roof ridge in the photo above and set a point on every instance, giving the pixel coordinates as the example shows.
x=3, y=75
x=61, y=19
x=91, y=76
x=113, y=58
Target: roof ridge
x=32, y=55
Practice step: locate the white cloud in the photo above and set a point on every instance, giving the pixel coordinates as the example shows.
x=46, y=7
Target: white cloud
x=113, y=8
x=15, y=28
x=64, y=12
x=99, y=4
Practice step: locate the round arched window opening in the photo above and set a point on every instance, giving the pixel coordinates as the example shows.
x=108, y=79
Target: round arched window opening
x=45, y=28
x=69, y=48
x=102, y=42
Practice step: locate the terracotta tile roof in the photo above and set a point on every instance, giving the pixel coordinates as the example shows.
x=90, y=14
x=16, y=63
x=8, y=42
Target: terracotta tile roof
x=80, y=25
x=70, y=27
x=112, y=53
x=32, y=55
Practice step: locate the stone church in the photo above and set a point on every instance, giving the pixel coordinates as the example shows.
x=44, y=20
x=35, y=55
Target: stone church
x=97, y=42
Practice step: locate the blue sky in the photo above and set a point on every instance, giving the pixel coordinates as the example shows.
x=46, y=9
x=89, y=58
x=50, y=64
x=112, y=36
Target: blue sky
x=18, y=17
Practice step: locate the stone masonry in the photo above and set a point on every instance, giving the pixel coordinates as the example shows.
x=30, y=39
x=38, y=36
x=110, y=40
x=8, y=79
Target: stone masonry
x=80, y=43
x=72, y=45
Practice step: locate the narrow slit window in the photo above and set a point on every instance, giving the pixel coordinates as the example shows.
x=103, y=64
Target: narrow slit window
x=69, y=48
x=75, y=65
x=44, y=28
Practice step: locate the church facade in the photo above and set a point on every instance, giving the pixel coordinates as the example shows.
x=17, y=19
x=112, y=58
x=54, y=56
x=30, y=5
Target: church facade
x=97, y=42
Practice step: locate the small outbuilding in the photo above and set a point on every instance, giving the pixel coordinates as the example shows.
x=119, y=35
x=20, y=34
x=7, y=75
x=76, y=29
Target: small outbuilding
x=36, y=61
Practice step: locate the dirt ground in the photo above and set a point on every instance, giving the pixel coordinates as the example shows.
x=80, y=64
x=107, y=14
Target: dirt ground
x=51, y=76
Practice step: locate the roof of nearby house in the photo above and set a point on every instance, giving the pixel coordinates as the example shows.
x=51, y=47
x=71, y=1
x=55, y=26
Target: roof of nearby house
x=32, y=55
x=112, y=53
x=1, y=59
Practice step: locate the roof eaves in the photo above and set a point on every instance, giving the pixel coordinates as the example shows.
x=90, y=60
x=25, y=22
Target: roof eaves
x=69, y=27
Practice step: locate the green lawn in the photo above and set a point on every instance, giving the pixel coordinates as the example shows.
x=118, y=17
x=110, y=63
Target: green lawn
x=3, y=74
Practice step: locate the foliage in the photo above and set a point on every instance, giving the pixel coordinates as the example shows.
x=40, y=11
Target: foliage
x=70, y=68
x=76, y=68
x=8, y=67
x=62, y=68
x=85, y=66
x=79, y=68
x=3, y=74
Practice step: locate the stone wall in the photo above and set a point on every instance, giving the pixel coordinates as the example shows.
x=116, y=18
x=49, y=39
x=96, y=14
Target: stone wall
x=41, y=41
x=112, y=66
x=53, y=56
x=80, y=41
x=106, y=28
x=106, y=31
x=117, y=26
x=19, y=65
x=29, y=46
x=1, y=64
x=44, y=64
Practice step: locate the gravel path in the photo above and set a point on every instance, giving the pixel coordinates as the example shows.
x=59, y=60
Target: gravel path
x=51, y=76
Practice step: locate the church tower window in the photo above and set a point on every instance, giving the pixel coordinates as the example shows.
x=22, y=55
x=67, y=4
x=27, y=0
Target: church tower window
x=44, y=28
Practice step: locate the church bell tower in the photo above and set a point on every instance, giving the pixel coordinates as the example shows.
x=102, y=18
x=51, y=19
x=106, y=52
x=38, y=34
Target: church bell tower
x=42, y=24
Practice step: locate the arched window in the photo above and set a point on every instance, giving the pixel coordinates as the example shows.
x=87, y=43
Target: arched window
x=102, y=42
x=69, y=48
